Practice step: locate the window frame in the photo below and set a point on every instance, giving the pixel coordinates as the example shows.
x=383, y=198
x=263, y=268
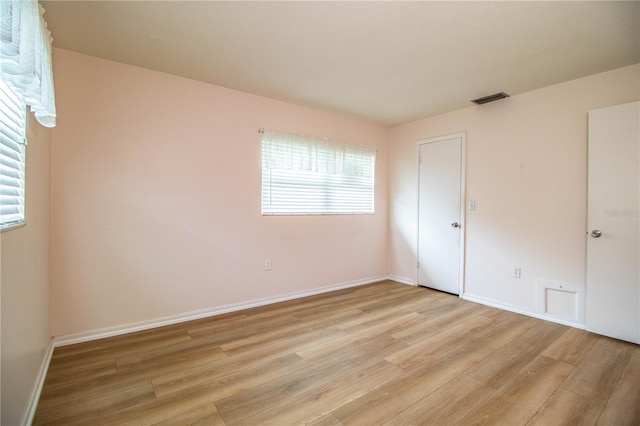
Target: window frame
x=313, y=176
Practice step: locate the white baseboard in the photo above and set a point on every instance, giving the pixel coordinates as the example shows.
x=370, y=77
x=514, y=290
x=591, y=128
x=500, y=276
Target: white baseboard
x=510, y=308
x=70, y=339
x=37, y=390
x=401, y=280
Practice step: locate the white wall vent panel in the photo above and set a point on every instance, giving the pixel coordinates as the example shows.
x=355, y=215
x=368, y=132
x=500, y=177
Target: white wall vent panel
x=562, y=301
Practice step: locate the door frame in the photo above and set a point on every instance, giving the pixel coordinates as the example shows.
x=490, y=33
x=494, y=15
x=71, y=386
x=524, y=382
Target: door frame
x=463, y=222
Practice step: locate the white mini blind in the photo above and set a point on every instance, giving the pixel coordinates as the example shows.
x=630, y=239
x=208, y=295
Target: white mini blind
x=306, y=175
x=12, y=157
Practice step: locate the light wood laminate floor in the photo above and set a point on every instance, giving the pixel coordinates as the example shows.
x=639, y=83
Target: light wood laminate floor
x=380, y=354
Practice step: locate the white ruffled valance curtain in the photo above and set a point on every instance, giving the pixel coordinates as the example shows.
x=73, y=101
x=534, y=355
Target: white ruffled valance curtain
x=25, y=56
x=286, y=151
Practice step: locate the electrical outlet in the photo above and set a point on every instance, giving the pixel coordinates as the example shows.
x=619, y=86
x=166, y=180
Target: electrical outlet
x=515, y=272
x=267, y=265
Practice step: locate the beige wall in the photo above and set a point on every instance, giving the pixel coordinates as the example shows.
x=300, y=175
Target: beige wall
x=527, y=171
x=25, y=284
x=156, y=200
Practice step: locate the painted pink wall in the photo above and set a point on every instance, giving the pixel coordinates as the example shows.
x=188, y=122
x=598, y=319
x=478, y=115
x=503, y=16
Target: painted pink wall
x=156, y=200
x=526, y=168
x=24, y=266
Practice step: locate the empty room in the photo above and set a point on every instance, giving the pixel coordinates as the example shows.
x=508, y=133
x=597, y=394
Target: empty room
x=320, y=212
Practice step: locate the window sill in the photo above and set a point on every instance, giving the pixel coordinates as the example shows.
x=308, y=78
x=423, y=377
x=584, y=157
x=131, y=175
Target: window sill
x=13, y=226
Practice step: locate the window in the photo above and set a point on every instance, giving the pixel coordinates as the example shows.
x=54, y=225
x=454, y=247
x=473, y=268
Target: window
x=12, y=157
x=305, y=175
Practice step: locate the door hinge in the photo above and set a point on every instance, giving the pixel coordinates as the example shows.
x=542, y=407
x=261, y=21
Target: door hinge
x=418, y=264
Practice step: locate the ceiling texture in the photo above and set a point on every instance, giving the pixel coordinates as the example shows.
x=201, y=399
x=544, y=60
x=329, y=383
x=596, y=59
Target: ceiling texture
x=387, y=62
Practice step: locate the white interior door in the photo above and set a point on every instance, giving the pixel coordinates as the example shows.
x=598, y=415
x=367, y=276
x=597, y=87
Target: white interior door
x=440, y=216
x=613, y=247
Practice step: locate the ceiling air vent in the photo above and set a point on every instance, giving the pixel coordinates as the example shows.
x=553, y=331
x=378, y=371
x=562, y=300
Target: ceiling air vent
x=490, y=98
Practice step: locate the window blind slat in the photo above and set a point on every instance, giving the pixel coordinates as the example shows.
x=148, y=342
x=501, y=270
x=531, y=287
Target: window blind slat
x=9, y=114
x=11, y=134
x=12, y=157
x=302, y=175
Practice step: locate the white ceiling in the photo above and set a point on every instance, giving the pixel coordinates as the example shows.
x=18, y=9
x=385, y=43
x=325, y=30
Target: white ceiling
x=387, y=62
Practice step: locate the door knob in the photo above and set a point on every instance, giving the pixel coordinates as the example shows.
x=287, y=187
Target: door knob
x=455, y=225
x=596, y=233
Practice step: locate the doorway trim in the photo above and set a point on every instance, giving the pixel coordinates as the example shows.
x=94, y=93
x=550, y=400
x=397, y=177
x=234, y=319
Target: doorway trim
x=463, y=203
